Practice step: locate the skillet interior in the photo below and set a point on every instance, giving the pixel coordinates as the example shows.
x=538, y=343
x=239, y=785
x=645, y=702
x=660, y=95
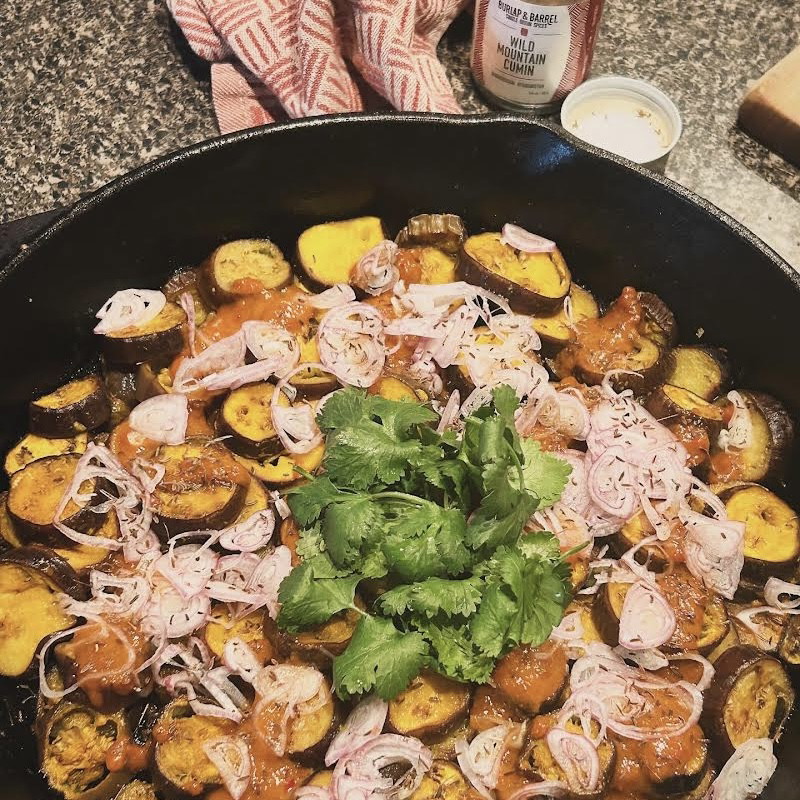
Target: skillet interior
x=615, y=225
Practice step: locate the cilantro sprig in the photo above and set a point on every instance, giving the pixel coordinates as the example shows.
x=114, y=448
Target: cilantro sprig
x=439, y=522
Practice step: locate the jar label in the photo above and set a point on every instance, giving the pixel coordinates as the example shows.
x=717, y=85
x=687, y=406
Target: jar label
x=531, y=54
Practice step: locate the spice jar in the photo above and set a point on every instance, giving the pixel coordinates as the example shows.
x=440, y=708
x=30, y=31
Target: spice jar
x=529, y=56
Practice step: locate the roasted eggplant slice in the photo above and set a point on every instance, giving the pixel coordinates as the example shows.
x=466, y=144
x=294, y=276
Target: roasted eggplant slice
x=219, y=630
x=29, y=613
x=426, y=265
x=246, y=417
x=445, y=232
x=182, y=282
x=312, y=382
x=327, y=253
x=8, y=530
x=32, y=447
x=76, y=742
x=181, y=766
x=157, y=340
x=638, y=527
x=789, y=645
x=317, y=644
x=673, y=405
x=618, y=340
x=704, y=371
x=241, y=268
x=309, y=734
x=766, y=457
x=431, y=705
x=136, y=790
x=490, y=708
x=203, y=486
x=716, y=626
x=394, y=389
x=607, y=610
x=45, y=562
x=444, y=781
x=443, y=745
x=280, y=470
x=538, y=763
x=322, y=779
x=532, y=678
x=658, y=320
x=555, y=330
x=36, y=493
x=151, y=382
x=78, y=406
x=771, y=533
x=750, y=697
x=255, y=500
x=531, y=282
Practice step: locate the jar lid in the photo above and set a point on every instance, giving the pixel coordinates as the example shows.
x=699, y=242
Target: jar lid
x=625, y=116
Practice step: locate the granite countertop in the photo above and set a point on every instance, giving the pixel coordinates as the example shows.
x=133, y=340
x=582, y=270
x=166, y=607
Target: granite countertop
x=92, y=88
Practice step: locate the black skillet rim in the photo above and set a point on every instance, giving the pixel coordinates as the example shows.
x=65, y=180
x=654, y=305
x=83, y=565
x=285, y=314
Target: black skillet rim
x=264, y=132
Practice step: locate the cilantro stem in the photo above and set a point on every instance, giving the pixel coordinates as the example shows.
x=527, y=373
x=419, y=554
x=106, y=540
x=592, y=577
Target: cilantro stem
x=402, y=496
x=518, y=465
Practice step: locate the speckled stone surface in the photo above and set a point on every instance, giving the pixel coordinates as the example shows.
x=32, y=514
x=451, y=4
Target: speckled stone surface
x=92, y=88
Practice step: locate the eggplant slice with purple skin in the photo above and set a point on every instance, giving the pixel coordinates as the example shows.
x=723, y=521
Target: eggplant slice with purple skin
x=766, y=457
x=674, y=405
x=240, y=268
x=771, y=535
x=31, y=578
x=204, y=487
x=245, y=417
x=445, y=232
x=750, y=697
x=74, y=743
x=431, y=706
x=74, y=408
x=32, y=447
x=327, y=253
x=533, y=283
x=158, y=340
x=702, y=370
x=36, y=492
x=556, y=329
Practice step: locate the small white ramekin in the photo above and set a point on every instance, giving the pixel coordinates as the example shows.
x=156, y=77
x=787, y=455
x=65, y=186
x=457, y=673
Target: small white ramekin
x=625, y=116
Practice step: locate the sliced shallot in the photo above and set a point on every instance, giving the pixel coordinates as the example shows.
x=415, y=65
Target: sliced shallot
x=775, y=588
x=229, y=754
x=273, y=344
x=162, y=418
x=251, y=534
x=525, y=241
x=129, y=308
x=226, y=354
x=647, y=619
x=577, y=756
x=364, y=722
x=338, y=295
x=375, y=272
x=746, y=773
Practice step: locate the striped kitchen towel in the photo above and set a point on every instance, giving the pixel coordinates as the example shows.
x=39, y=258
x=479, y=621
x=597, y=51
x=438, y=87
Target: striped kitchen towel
x=294, y=57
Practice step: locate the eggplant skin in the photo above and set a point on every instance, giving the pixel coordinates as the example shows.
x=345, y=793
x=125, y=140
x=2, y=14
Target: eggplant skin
x=781, y=431
x=445, y=232
x=532, y=678
x=78, y=406
x=751, y=696
x=659, y=321
x=676, y=404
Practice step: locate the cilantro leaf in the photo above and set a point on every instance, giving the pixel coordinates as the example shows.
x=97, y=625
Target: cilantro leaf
x=379, y=658
x=344, y=408
x=425, y=541
x=505, y=402
x=455, y=654
x=545, y=475
x=365, y=454
x=309, y=542
x=398, y=417
x=487, y=531
x=308, y=501
x=434, y=596
x=347, y=525
x=524, y=599
x=307, y=599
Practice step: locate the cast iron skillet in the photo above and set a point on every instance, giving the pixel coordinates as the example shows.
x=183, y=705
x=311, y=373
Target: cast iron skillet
x=616, y=224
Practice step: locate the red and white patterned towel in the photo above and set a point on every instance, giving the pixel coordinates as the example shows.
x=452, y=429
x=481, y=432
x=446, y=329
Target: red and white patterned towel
x=292, y=56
